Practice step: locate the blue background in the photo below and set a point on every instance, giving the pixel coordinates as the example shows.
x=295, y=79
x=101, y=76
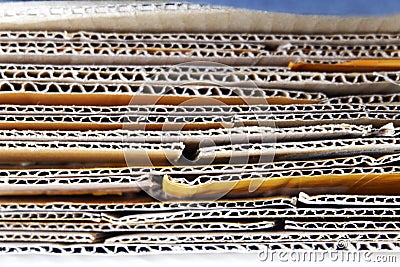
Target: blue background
x=317, y=7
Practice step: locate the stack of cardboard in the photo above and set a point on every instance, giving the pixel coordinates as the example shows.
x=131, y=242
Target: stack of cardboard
x=139, y=127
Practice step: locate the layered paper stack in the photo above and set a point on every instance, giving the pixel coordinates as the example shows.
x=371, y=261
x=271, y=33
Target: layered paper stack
x=139, y=127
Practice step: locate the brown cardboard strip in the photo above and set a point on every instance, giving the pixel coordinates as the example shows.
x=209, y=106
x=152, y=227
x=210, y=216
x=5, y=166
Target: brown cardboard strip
x=94, y=152
x=330, y=181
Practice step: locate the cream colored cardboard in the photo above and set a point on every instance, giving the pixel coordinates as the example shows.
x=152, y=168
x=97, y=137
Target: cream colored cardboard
x=80, y=97
x=127, y=16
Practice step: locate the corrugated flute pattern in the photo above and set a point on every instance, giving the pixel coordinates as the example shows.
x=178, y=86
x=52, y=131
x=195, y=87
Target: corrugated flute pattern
x=151, y=137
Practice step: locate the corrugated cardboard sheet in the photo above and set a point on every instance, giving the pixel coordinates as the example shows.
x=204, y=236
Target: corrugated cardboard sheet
x=139, y=127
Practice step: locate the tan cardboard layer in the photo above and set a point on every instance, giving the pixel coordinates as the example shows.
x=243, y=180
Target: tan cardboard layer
x=50, y=216
x=183, y=110
x=122, y=73
x=131, y=203
x=262, y=213
x=377, y=99
x=62, y=93
x=131, y=47
x=362, y=66
x=237, y=153
x=102, y=79
x=109, y=99
x=178, y=75
x=117, y=74
x=123, y=184
x=278, y=166
x=177, y=83
x=134, y=203
x=74, y=185
x=342, y=226
x=66, y=149
x=146, y=204
x=97, y=186
x=48, y=237
x=144, y=121
x=193, y=171
x=69, y=55
x=82, y=52
x=193, y=110
x=246, y=237
x=145, y=249
x=348, y=200
x=331, y=181
x=148, y=228
x=332, y=84
x=115, y=126
x=203, y=180
x=157, y=17
x=377, y=119
x=173, y=122
x=69, y=152
x=167, y=249
x=217, y=136
x=104, y=181
x=217, y=38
